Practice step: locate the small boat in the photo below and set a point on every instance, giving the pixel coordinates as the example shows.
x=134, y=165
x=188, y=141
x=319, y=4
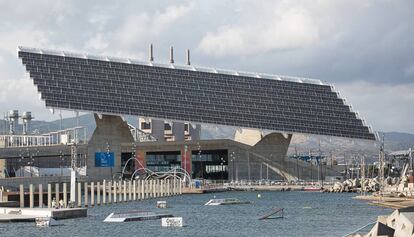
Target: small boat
x=45, y=222
x=135, y=216
x=225, y=201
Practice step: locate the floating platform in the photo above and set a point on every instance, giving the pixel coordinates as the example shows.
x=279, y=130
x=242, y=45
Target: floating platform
x=225, y=201
x=30, y=214
x=135, y=216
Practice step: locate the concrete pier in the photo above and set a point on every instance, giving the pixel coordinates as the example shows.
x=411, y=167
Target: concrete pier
x=104, y=192
x=125, y=191
x=40, y=195
x=92, y=194
x=21, y=195
x=142, y=189
x=57, y=198
x=31, y=197
x=115, y=192
x=129, y=190
x=120, y=191
x=134, y=190
x=65, y=195
x=98, y=193
x=86, y=194
x=109, y=192
x=49, y=196
x=79, y=194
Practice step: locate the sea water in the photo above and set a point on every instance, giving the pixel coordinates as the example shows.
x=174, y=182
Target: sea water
x=305, y=214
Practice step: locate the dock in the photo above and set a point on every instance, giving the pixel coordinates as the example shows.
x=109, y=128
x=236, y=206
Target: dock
x=30, y=214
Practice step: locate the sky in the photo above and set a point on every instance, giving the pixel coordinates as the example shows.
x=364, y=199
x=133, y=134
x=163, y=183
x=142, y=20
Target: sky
x=363, y=47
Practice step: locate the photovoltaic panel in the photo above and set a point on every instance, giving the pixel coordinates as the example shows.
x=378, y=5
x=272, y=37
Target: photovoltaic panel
x=120, y=86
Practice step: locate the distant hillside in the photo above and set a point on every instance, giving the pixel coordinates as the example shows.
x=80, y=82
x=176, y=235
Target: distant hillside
x=338, y=147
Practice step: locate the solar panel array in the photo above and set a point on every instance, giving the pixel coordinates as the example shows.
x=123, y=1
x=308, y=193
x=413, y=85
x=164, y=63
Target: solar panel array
x=121, y=87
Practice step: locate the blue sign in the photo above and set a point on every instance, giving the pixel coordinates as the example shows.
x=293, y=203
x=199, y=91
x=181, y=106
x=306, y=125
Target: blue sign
x=104, y=159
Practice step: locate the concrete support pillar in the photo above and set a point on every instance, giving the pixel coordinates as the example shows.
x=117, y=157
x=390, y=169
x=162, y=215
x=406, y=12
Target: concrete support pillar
x=151, y=188
x=180, y=187
x=154, y=192
x=115, y=192
x=85, y=193
x=31, y=197
x=65, y=195
x=57, y=193
x=120, y=191
x=109, y=192
x=79, y=195
x=168, y=187
x=161, y=188
x=104, y=192
x=142, y=186
x=129, y=190
x=40, y=196
x=98, y=193
x=134, y=190
x=92, y=194
x=145, y=189
x=125, y=191
x=49, y=195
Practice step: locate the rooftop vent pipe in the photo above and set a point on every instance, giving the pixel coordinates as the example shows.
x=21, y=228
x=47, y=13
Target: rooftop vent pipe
x=188, y=57
x=171, y=55
x=151, y=53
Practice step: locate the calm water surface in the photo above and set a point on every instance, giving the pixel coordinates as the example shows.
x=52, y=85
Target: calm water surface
x=306, y=214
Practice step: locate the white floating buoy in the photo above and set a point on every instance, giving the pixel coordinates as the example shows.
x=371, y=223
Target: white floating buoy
x=172, y=222
x=259, y=195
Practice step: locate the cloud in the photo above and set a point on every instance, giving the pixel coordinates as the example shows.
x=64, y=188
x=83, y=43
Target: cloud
x=386, y=107
x=137, y=29
x=280, y=30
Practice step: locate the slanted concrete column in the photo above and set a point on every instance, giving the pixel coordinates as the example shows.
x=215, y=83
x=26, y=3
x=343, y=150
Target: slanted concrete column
x=49, y=195
x=98, y=193
x=57, y=194
x=109, y=129
x=86, y=190
x=65, y=195
x=134, y=190
x=92, y=194
x=40, y=195
x=109, y=192
x=104, y=192
x=115, y=192
x=79, y=195
x=31, y=197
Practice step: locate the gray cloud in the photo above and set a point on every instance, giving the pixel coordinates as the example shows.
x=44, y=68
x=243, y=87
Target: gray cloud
x=364, y=47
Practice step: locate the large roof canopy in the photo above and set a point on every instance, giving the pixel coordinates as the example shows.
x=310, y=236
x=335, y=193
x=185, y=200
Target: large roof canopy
x=186, y=93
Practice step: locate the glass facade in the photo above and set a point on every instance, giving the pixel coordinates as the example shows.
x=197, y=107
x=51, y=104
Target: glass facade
x=163, y=161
